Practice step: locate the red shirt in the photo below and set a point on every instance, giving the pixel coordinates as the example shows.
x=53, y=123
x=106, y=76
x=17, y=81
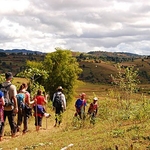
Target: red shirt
x=40, y=100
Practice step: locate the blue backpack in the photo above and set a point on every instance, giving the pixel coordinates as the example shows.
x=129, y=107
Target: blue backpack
x=20, y=100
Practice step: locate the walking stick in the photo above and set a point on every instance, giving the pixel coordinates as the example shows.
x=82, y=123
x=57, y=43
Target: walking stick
x=36, y=115
x=45, y=95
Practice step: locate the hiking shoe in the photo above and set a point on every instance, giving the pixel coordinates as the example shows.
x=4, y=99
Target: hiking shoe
x=18, y=129
x=25, y=131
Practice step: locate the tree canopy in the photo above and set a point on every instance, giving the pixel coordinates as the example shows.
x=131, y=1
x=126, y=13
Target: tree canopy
x=59, y=68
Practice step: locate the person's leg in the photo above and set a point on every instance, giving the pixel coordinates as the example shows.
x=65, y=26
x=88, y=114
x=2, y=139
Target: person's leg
x=60, y=115
x=57, y=112
x=38, y=123
x=11, y=119
x=25, y=122
x=19, y=119
x=2, y=126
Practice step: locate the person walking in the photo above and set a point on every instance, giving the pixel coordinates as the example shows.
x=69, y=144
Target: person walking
x=39, y=110
x=11, y=106
x=92, y=110
x=80, y=106
x=59, y=104
x=23, y=98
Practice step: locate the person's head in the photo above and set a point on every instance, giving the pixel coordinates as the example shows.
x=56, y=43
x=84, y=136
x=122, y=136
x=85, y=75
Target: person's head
x=59, y=88
x=95, y=99
x=82, y=95
x=39, y=92
x=1, y=94
x=8, y=75
x=23, y=86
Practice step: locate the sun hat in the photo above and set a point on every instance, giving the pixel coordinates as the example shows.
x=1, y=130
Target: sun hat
x=95, y=98
x=59, y=88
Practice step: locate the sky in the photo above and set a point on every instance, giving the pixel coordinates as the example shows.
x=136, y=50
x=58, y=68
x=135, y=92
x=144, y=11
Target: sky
x=77, y=25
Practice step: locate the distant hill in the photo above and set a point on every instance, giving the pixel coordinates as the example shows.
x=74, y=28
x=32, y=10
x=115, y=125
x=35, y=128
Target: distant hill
x=97, y=66
x=20, y=51
x=114, y=54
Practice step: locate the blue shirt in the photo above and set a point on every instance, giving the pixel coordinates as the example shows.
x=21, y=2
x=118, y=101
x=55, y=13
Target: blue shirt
x=79, y=103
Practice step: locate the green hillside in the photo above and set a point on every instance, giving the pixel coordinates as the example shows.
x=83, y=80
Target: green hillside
x=97, y=66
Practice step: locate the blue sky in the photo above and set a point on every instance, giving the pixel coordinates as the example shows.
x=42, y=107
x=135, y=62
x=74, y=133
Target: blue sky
x=78, y=25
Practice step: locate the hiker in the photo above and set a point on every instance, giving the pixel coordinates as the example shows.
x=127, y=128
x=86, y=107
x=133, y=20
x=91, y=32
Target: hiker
x=80, y=106
x=39, y=110
x=2, y=103
x=59, y=105
x=11, y=106
x=24, y=110
x=92, y=110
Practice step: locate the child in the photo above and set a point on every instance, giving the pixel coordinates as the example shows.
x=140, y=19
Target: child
x=93, y=108
x=80, y=106
x=39, y=110
x=2, y=103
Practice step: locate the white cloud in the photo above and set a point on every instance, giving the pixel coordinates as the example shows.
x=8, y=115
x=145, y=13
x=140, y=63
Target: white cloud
x=117, y=25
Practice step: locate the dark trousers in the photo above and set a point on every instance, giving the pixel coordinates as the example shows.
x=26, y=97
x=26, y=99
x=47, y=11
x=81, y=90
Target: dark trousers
x=11, y=119
x=58, y=114
x=22, y=118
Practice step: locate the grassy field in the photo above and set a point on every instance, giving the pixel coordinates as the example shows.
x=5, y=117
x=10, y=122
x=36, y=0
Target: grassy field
x=119, y=124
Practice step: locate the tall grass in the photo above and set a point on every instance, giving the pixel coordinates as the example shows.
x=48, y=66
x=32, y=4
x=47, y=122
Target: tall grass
x=116, y=126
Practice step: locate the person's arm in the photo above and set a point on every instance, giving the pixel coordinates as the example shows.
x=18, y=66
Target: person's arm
x=90, y=107
x=14, y=98
x=53, y=97
x=27, y=99
x=64, y=101
x=15, y=104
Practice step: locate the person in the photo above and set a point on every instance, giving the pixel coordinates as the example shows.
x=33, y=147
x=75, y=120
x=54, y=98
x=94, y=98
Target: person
x=80, y=106
x=92, y=110
x=2, y=103
x=23, y=113
x=59, y=105
x=10, y=111
x=39, y=110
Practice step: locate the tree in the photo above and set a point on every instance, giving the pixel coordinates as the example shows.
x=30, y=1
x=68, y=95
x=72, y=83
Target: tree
x=59, y=68
x=63, y=70
x=127, y=80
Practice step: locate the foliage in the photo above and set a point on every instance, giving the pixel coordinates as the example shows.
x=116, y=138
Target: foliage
x=63, y=70
x=32, y=75
x=115, y=126
x=58, y=69
x=127, y=81
x=2, y=78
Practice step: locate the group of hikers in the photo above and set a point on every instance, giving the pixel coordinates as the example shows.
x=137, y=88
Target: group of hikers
x=14, y=102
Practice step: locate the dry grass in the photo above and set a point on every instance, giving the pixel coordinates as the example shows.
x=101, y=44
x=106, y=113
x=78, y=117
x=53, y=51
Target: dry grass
x=113, y=128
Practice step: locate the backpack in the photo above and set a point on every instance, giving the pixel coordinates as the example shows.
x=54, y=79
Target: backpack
x=5, y=90
x=20, y=100
x=57, y=100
